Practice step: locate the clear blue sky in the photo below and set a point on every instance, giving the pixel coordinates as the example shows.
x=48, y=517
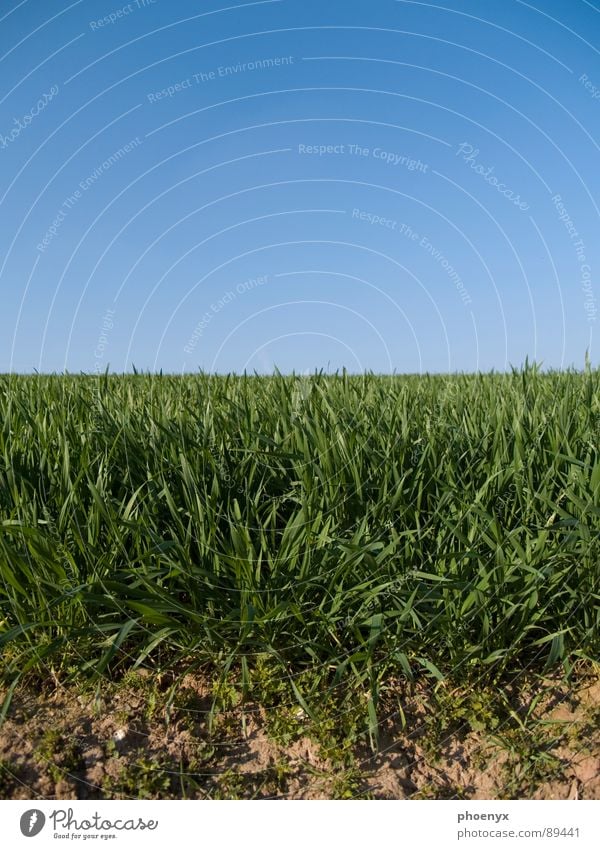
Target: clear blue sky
x=378, y=185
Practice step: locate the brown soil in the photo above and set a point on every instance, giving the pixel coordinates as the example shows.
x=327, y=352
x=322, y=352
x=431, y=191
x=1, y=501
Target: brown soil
x=128, y=741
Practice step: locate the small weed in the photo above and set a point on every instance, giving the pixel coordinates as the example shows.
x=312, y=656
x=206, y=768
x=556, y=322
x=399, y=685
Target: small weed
x=231, y=785
x=59, y=755
x=347, y=784
x=531, y=760
x=142, y=779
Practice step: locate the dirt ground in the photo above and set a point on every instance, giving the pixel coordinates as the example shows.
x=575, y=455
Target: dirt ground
x=139, y=739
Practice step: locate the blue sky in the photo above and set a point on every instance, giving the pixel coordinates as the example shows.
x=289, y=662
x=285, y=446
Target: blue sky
x=386, y=186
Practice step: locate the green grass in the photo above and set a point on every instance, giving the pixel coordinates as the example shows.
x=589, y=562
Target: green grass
x=345, y=529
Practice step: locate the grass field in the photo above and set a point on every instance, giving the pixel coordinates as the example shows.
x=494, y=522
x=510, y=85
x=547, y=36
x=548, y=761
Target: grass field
x=300, y=541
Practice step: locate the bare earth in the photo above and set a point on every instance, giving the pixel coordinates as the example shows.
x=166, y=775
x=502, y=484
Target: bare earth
x=138, y=740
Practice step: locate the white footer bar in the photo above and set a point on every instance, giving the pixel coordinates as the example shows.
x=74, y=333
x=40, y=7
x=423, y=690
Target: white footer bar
x=302, y=824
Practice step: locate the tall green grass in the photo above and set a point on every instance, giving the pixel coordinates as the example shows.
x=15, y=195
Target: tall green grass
x=354, y=526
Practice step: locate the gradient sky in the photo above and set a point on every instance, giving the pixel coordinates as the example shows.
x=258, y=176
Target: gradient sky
x=385, y=185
